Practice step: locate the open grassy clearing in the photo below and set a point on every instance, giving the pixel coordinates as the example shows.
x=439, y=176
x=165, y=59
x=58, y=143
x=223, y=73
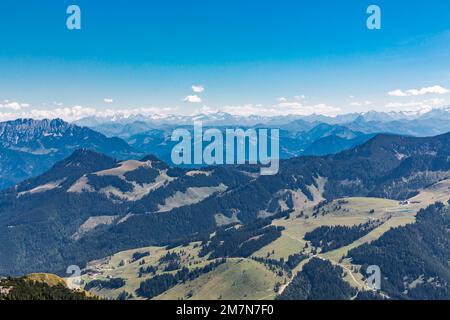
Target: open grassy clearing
x=437, y=192
x=237, y=279
x=50, y=279
x=354, y=211
x=121, y=265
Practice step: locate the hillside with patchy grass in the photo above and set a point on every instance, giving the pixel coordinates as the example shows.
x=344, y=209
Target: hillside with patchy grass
x=273, y=270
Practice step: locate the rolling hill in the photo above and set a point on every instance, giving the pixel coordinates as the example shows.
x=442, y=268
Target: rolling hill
x=40, y=286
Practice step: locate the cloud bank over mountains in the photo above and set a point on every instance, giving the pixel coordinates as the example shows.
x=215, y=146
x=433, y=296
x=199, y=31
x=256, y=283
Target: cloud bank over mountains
x=195, y=103
x=419, y=92
x=78, y=112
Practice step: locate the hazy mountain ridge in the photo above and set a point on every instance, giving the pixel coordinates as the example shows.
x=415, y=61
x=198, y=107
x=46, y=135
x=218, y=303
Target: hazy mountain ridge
x=29, y=147
x=225, y=119
x=299, y=135
x=292, y=144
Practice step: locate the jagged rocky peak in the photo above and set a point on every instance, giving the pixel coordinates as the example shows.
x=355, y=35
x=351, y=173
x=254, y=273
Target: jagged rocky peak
x=25, y=130
x=36, y=125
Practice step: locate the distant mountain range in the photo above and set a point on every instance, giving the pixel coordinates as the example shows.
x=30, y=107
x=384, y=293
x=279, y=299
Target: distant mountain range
x=114, y=125
x=89, y=205
x=319, y=140
x=29, y=147
x=299, y=135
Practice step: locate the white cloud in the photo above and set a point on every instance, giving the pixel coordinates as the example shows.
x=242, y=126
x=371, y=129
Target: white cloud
x=206, y=110
x=290, y=104
x=198, y=88
x=296, y=98
x=415, y=105
x=397, y=93
x=297, y=107
x=108, y=100
x=282, y=109
x=67, y=113
x=360, y=104
x=193, y=99
x=79, y=112
x=12, y=105
x=419, y=92
x=127, y=113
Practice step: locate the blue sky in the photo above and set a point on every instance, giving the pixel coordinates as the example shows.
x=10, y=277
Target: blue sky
x=265, y=57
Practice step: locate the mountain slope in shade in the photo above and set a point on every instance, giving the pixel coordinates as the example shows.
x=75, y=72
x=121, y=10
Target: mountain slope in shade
x=29, y=147
x=99, y=206
x=292, y=144
x=334, y=144
x=17, y=165
x=421, y=127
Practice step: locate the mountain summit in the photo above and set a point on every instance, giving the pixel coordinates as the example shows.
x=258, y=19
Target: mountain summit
x=29, y=147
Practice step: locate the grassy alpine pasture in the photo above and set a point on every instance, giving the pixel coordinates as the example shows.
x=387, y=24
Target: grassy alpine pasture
x=121, y=265
x=235, y=280
x=245, y=278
